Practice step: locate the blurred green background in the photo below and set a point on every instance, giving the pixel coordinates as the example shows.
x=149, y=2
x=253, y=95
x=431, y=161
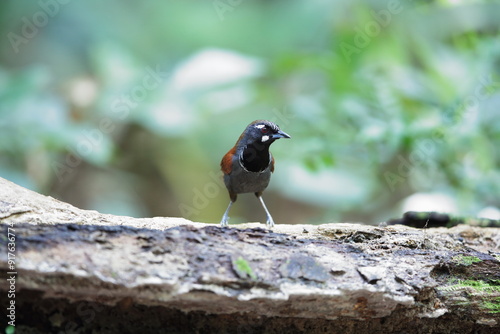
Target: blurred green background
x=127, y=107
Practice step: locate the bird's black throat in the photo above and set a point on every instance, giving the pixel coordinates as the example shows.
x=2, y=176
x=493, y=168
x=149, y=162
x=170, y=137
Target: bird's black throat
x=255, y=157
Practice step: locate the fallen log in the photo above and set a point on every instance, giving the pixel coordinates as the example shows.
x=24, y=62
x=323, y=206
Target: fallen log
x=76, y=270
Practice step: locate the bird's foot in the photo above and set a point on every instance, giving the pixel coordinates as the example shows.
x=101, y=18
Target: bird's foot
x=224, y=222
x=270, y=222
x=225, y=217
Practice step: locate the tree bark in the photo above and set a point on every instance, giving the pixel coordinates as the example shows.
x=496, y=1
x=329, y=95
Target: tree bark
x=83, y=271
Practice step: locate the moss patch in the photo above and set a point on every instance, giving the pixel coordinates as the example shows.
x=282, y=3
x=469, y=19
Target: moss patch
x=243, y=269
x=484, y=294
x=465, y=260
x=493, y=306
x=480, y=285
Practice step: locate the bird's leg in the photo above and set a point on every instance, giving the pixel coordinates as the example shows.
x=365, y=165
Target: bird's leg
x=270, y=221
x=225, y=217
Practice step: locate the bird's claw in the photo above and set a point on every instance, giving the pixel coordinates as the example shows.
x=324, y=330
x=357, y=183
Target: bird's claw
x=224, y=222
x=270, y=222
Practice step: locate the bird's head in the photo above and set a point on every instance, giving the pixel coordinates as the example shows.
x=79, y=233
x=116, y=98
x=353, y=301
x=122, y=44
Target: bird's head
x=262, y=132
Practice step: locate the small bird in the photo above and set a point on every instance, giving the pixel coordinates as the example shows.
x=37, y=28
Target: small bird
x=247, y=167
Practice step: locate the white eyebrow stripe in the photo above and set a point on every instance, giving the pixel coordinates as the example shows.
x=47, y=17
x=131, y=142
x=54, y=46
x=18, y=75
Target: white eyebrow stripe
x=260, y=126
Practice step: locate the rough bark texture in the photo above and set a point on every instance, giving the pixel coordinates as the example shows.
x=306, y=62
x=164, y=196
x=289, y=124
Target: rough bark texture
x=82, y=271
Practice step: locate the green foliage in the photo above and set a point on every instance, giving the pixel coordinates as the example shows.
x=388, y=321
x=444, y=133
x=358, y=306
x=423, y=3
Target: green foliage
x=383, y=99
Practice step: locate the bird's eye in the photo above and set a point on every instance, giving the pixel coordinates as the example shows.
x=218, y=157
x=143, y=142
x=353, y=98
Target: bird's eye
x=264, y=130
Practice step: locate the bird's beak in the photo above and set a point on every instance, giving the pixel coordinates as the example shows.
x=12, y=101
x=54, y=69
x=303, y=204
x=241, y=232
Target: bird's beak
x=281, y=134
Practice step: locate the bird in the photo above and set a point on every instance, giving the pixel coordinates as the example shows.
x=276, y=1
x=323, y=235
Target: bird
x=247, y=167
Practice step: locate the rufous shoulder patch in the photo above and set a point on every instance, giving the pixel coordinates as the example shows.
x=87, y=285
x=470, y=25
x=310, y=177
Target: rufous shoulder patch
x=226, y=163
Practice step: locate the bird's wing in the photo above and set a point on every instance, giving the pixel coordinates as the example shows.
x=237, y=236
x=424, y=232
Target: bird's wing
x=226, y=164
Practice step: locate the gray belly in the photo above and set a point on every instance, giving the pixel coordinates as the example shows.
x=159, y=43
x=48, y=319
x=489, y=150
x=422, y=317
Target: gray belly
x=241, y=181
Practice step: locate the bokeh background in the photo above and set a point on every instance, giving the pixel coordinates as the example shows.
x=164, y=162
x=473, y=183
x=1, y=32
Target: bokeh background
x=127, y=107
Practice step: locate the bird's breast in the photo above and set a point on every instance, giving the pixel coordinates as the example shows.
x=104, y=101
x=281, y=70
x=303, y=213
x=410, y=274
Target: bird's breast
x=243, y=181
